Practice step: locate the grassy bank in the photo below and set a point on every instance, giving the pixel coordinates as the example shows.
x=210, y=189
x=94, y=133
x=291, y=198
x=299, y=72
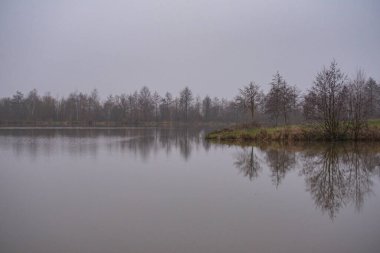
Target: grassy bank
x=289, y=134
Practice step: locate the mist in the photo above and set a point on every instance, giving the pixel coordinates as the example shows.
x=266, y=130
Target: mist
x=213, y=47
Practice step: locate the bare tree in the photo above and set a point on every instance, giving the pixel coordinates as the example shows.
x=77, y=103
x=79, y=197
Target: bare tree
x=186, y=97
x=373, y=92
x=109, y=107
x=93, y=105
x=325, y=101
x=165, y=106
x=32, y=102
x=281, y=99
x=206, y=108
x=156, y=100
x=18, y=106
x=250, y=97
x=196, y=109
x=145, y=103
x=133, y=101
x=123, y=104
x=358, y=104
x=272, y=100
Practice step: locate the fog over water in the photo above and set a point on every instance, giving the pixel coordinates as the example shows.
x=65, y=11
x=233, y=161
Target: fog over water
x=214, y=46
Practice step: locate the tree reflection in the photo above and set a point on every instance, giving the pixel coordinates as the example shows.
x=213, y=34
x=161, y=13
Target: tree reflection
x=82, y=141
x=339, y=175
x=248, y=163
x=325, y=180
x=336, y=175
x=280, y=161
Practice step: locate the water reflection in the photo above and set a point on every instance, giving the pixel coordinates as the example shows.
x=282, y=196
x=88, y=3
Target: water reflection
x=248, y=163
x=84, y=141
x=280, y=160
x=336, y=175
x=135, y=189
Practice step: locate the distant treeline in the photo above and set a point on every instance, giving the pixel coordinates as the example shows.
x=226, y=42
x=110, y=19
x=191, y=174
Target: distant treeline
x=333, y=98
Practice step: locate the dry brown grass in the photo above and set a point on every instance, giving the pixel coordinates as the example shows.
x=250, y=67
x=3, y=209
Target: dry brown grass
x=289, y=134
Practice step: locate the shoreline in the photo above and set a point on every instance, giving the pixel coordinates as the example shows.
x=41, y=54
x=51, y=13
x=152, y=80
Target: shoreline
x=299, y=133
x=103, y=124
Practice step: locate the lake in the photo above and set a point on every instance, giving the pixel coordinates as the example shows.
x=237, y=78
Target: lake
x=168, y=190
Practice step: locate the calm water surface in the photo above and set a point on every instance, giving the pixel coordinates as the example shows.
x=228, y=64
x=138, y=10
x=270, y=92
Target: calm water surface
x=168, y=190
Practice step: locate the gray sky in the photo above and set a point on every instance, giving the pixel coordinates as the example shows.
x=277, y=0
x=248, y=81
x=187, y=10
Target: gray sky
x=214, y=46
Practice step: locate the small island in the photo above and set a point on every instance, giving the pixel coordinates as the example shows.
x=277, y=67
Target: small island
x=336, y=108
x=292, y=133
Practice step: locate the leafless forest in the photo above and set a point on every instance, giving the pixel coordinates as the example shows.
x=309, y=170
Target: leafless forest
x=334, y=98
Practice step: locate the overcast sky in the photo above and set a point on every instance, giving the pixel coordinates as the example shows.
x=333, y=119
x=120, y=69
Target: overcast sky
x=213, y=46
